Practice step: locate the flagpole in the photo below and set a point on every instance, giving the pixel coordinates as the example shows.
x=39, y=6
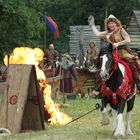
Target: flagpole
x=106, y=14
x=45, y=35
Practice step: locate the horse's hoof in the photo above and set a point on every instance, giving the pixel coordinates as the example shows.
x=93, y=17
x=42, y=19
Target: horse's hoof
x=105, y=122
x=129, y=132
x=105, y=119
x=119, y=134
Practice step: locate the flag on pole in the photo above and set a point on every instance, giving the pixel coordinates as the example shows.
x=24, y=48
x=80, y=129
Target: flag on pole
x=52, y=25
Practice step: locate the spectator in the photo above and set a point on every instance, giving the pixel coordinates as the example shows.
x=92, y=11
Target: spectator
x=69, y=72
x=91, y=56
x=51, y=55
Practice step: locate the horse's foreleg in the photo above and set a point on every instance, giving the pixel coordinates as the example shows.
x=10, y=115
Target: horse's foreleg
x=115, y=113
x=105, y=118
x=120, y=130
x=128, y=126
x=130, y=105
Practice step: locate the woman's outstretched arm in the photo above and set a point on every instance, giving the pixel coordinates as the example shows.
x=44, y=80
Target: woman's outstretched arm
x=94, y=29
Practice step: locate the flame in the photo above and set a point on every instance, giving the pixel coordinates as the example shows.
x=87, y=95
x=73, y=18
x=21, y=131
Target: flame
x=25, y=55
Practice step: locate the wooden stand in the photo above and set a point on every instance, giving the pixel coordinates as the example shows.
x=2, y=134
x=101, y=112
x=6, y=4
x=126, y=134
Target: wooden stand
x=21, y=105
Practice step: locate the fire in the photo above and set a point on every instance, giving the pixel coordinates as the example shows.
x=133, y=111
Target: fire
x=25, y=55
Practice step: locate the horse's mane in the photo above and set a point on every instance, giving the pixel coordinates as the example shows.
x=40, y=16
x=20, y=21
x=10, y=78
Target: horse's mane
x=106, y=48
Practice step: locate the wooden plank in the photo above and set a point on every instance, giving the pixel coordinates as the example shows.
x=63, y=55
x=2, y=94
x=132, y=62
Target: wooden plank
x=33, y=117
x=17, y=82
x=54, y=79
x=75, y=37
x=3, y=86
x=85, y=87
x=3, y=109
x=133, y=28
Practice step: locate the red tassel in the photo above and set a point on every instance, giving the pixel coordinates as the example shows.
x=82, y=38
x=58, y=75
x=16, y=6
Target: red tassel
x=114, y=99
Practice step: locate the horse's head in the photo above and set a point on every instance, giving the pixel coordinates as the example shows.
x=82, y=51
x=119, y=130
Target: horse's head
x=105, y=56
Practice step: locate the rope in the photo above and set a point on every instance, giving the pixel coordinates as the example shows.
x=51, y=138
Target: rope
x=97, y=107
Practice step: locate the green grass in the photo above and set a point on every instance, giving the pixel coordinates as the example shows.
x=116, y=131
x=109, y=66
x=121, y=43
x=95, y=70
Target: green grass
x=85, y=128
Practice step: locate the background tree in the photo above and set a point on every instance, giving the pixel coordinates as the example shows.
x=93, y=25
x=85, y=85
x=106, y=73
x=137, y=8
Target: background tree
x=22, y=21
x=20, y=24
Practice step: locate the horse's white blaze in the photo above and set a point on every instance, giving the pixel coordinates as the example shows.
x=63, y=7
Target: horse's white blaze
x=105, y=59
x=128, y=127
x=120, y=131
x=122, y=68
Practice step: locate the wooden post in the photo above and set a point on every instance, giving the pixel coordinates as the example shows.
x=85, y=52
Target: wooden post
x=64, y=98
x=81, y=49
x=106, y=14
x=40, y=100
x=8, y=59
x=45, y=35
x=53, y=70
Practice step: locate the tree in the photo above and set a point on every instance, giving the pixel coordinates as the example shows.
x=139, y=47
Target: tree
x=22, y=23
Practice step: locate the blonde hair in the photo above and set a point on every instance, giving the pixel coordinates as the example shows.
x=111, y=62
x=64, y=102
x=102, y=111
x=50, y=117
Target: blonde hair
x=107, y=20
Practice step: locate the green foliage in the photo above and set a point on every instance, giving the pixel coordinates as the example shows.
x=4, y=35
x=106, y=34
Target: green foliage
x=22, y=23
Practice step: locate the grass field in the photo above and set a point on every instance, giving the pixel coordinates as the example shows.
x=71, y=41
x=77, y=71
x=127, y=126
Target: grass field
x=86, y=128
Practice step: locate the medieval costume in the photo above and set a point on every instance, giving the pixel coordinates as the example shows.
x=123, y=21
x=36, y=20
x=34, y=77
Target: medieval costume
x=118, y=37
x=91, y=56
x=68, y=71
x=124, y=52
x=92, y=50
x=51, y=55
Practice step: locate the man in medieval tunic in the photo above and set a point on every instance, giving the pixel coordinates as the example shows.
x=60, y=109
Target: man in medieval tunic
x=92, y=50
x=51, y=55
x=91, y=56
x=68, y=70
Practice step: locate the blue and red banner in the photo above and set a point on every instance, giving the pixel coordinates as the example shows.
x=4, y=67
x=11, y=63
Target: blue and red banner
x=52, y=25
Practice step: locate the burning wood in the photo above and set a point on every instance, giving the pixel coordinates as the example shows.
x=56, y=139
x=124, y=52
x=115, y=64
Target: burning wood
x=24, y=55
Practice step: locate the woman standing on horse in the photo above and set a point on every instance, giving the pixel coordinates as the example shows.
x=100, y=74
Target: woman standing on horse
x=116, y=35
